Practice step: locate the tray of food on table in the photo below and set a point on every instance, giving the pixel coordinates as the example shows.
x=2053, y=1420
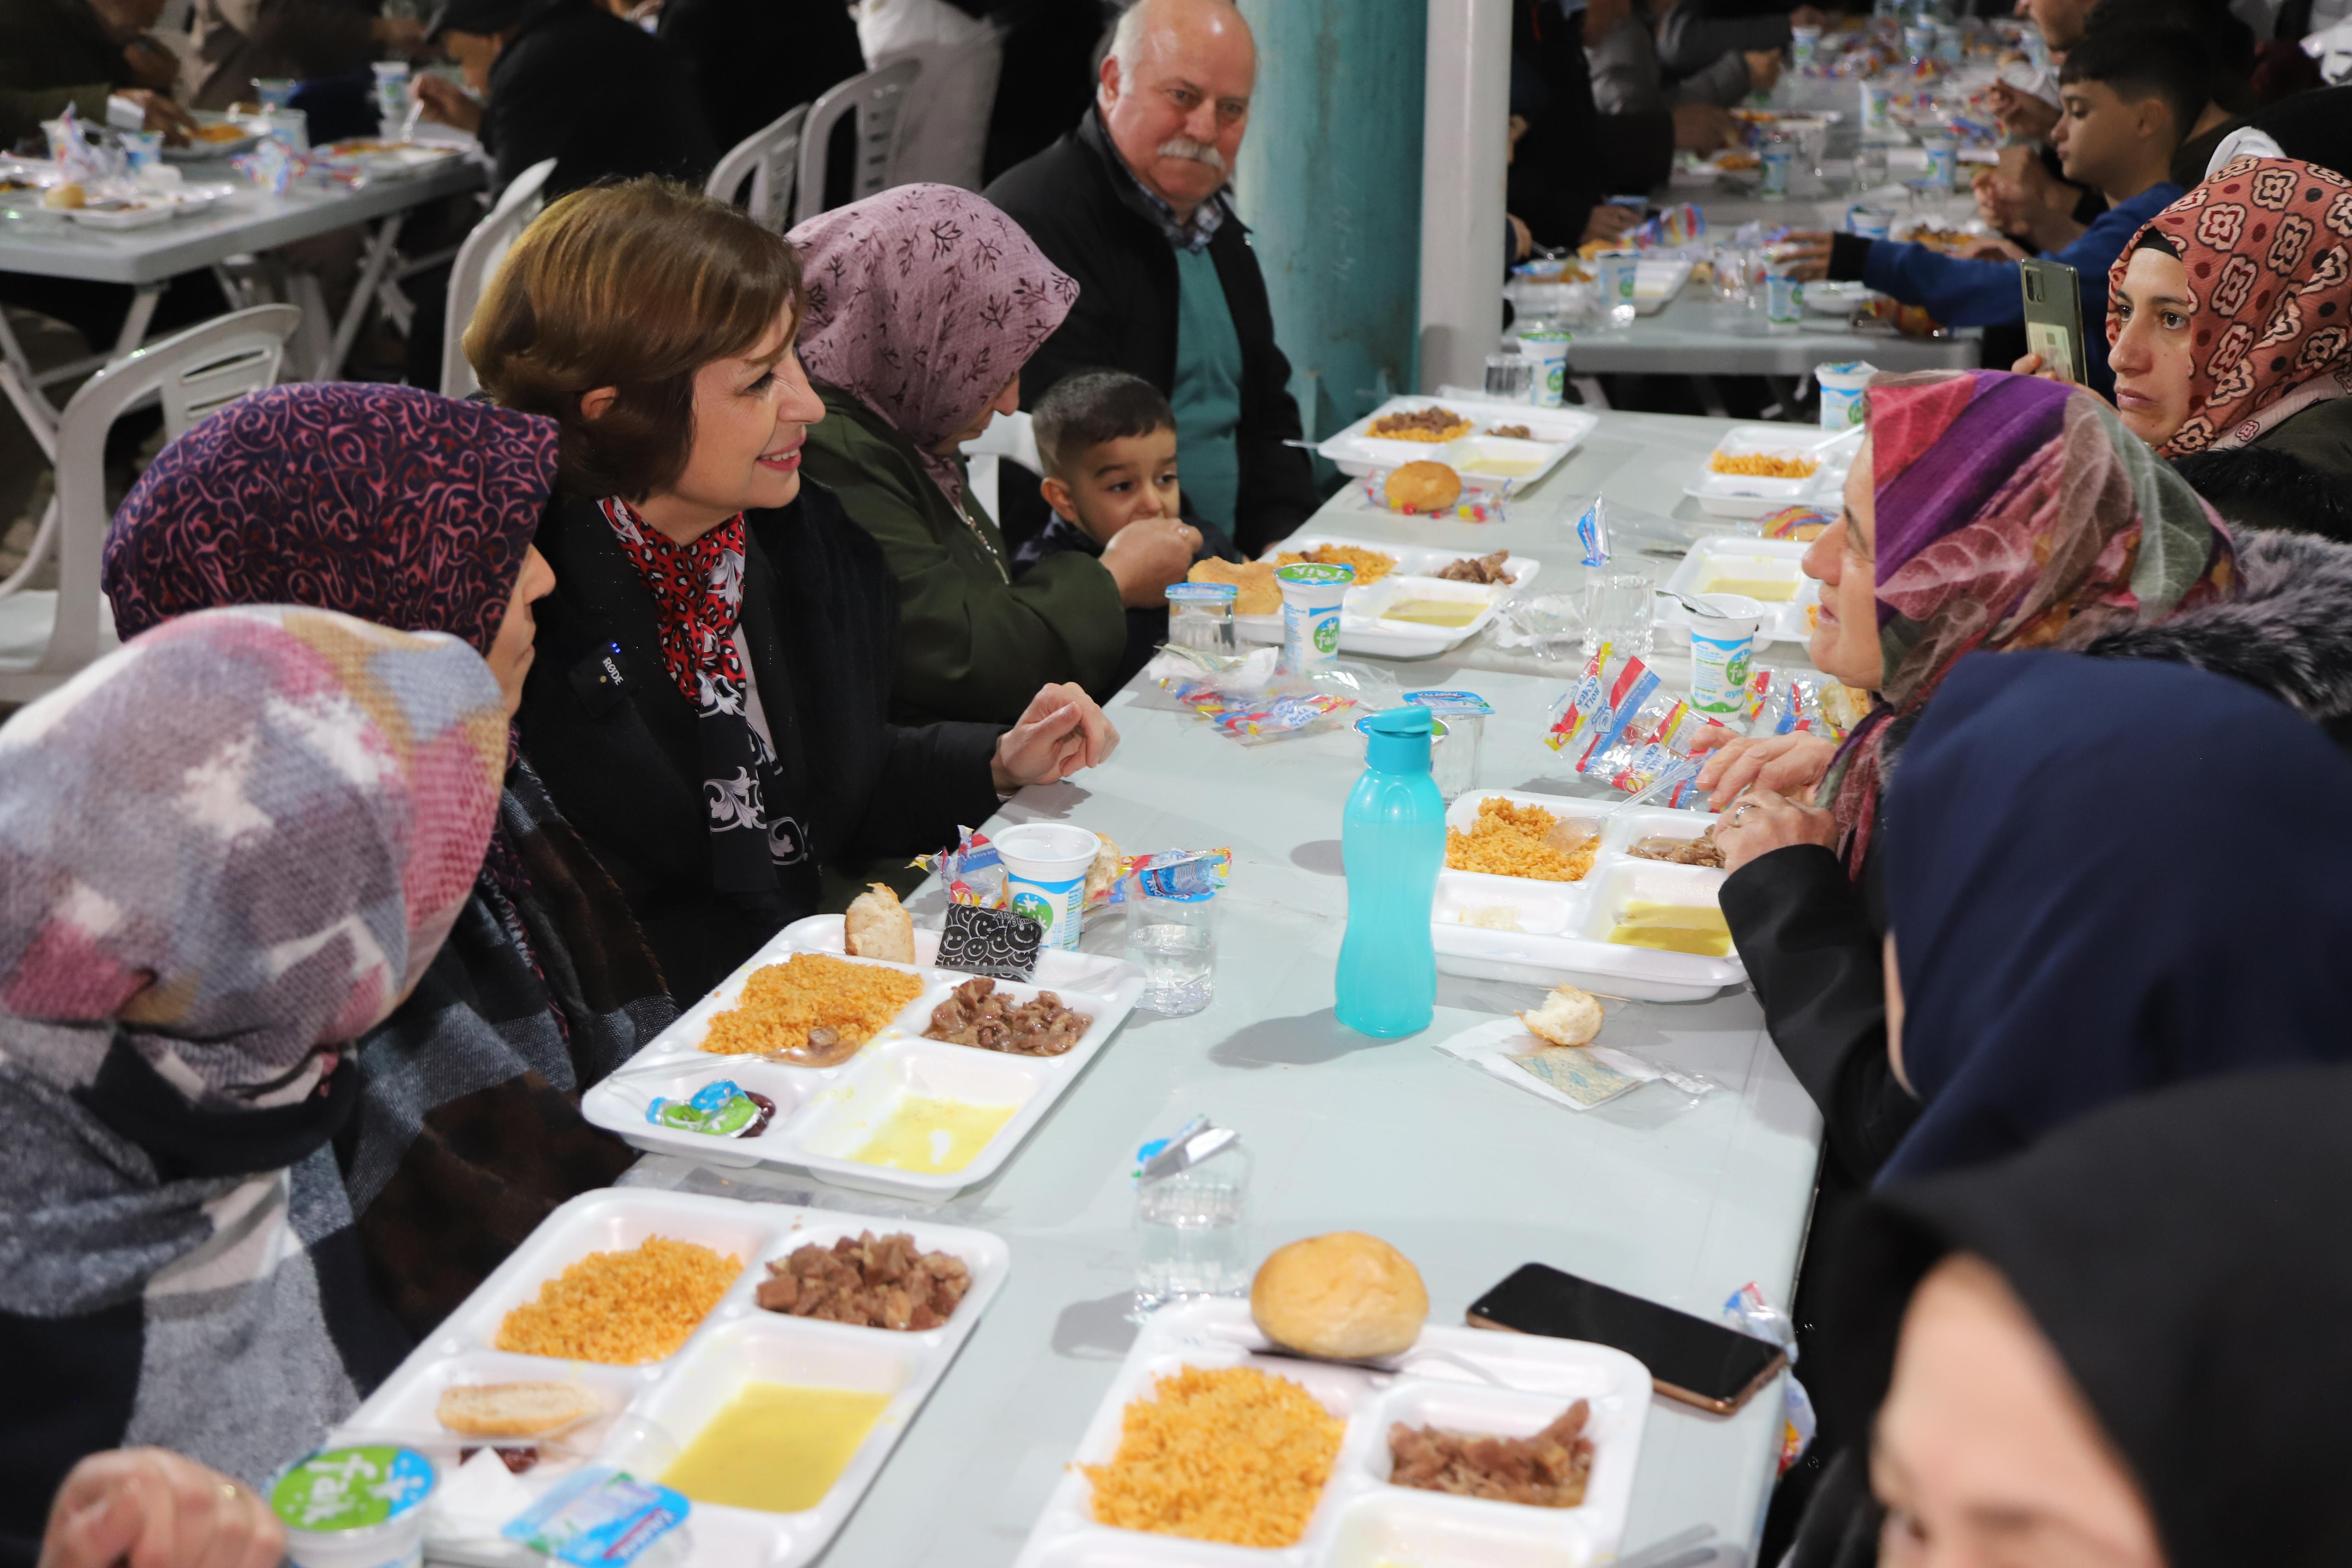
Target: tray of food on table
x=763, y=1360
x=1476, y=437
x=1767, y=571
x=1546, y=888
x=887, y=1075
x=1760, y=468
x=1408, y=601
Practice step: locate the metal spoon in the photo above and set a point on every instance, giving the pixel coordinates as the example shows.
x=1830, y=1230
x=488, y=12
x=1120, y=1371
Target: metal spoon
x=1693, y=605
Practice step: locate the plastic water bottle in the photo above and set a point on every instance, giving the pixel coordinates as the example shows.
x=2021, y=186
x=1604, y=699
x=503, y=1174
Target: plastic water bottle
x=1392, y=838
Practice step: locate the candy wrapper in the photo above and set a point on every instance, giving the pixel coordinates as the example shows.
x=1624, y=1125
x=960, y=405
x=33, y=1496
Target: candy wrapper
x=1251, y=700
x=1790, y=705
x=1592, y=533
x=270, y=165
x=1481, y=501
x=1802, y=523
x=1751, y=1314
x=972, y=872
x=1623, y=725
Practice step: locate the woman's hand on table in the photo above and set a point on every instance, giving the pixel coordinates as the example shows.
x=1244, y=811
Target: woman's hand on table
x=1806, y=254
x=1782, y=763
x=446, y=103
x=1145, y=556
x=1062, y=731
x=152, y=1509
x=1764, y=820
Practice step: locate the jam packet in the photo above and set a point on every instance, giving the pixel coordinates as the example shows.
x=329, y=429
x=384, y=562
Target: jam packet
x=599, y=1516
x=720, y=1109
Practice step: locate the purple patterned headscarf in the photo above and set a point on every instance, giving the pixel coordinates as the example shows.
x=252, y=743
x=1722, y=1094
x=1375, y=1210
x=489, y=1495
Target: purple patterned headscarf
x=238, y=838
x=396, y=505
x=924, y=301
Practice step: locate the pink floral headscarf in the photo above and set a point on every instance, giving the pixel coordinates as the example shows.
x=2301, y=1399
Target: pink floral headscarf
x=923, y=302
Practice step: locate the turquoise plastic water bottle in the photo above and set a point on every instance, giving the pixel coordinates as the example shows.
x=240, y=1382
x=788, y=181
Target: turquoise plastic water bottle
x=1392, y=838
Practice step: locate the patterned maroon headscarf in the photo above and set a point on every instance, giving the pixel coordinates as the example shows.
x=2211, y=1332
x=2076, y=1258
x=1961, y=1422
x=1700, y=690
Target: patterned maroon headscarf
x=923, y=302
x=396, y=505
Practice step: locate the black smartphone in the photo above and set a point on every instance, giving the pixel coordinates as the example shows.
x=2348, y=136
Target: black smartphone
x=1689, y=1358
x=2053, y=315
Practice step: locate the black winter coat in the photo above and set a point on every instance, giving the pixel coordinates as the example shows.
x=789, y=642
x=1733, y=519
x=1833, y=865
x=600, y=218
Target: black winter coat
x=600, y=96
x=2295, y=477
x=820, y=618
x=1811, y=939
x=1077, y=203
x=1572, y=156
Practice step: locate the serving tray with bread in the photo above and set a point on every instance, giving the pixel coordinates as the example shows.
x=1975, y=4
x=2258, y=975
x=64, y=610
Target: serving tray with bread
x=877, y=1103
x=1478, y=437
x=539, y=1373
x=1408, y=601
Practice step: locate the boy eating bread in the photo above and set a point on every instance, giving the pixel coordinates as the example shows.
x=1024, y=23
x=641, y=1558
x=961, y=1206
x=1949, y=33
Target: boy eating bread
x=1109, y=443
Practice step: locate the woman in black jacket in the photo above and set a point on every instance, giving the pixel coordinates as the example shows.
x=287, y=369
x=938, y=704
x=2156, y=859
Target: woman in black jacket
x=710, y=703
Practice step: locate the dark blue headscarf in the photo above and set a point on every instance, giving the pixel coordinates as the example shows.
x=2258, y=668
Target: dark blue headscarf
x=2103, y=876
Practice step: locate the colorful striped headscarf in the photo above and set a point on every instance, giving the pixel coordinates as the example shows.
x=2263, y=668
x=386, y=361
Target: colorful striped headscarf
x=396, y=505
x=2267, y=242
x=238, y=838
x=924, y=301
x=2011, y=512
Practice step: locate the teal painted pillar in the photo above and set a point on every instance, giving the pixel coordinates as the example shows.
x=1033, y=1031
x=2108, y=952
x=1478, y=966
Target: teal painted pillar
x=1329, y=183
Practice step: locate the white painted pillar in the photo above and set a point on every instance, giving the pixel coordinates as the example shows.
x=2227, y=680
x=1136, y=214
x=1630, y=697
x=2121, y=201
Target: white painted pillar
x=1466, y=130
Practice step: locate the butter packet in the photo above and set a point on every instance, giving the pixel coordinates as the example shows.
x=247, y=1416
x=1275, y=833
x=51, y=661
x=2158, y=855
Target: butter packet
x=1573, y=1071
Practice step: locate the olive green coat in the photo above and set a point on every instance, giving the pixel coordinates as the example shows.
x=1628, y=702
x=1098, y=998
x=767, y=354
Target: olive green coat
x=975, y=642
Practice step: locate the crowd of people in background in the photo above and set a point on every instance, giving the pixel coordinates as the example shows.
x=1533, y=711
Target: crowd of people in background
x=458, y=745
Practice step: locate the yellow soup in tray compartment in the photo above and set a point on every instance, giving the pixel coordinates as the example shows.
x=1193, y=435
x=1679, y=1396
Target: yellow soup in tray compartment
x=933, y=1136
x=776, y=1447
x=1503, y=468
x=1696, y=928
x=1436, y=611
x=1769, y=590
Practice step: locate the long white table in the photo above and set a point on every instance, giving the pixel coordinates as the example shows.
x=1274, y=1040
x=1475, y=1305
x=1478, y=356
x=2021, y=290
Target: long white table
x=250, y=221
x=1469, y=1177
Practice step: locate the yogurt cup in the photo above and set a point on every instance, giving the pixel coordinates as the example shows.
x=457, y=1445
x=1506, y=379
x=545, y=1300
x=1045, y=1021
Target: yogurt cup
x=1943, y=160
x=1312, y=594
x=1784, y=302
x=1842, y=388
x=1548, y=352
x=1869, y=223
x=1804, y=44
x=391, y=94
x=1722, y=650
x=1045, y=866
x=361, y=1506
x=1775, y=160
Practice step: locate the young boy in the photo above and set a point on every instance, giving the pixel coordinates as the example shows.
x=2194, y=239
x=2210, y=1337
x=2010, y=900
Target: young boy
x=2130, y=96
x=1109, y=443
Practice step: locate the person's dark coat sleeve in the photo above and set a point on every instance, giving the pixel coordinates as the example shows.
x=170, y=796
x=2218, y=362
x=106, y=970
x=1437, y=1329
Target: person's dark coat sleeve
x=1817, y=964
x=600, y=96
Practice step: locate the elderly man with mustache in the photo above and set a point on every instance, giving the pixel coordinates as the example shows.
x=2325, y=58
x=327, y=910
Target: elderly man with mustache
x=1132, y=203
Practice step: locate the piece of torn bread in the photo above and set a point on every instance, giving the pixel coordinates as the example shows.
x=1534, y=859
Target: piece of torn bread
x=876, y=925
x=1567, y=1017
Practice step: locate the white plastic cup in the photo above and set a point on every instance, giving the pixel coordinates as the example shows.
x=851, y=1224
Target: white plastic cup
x=1873, y=105
x=1919, y=41
x=1722, y=652
x=1842, y=388
x=1620, y=274
x=1869, y=223
x=391, y=94
x=1776, y=158
x=1045, y=866
x=1943, y=160
x=1548, y=352
x=1804, y=44
x=361, y=1505
x=1312, y=595
x=1784, y=302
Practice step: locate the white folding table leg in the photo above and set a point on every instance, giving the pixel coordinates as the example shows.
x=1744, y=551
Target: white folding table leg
x=373, y=267
x=135, y=320
x=23, y=387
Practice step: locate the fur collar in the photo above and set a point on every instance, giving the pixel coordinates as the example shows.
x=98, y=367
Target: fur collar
x=2289, y=631
x=2257, y=486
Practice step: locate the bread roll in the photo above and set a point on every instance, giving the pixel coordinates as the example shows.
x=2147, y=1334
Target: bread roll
x=876, y=925
x=1346, y=1295
x=1428, y=487
x=513, y=1409
x=1258, y=593
x=1567, y=1017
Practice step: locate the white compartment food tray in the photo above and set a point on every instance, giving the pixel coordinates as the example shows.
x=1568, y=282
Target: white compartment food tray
x=1564, y=924
x=1739, y=556
x=1558, y=430
x=821, y=1110
x=1751, y=496
x=654, y=1410
x=1362, y=629
x=1362, y=1520
x=1655, y=284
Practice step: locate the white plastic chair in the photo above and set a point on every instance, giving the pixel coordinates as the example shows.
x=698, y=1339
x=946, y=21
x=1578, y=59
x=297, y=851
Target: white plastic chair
x=47, y=635
x=1008, y=436
x=877, y=97
x=477, y=260
x=771, y=158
